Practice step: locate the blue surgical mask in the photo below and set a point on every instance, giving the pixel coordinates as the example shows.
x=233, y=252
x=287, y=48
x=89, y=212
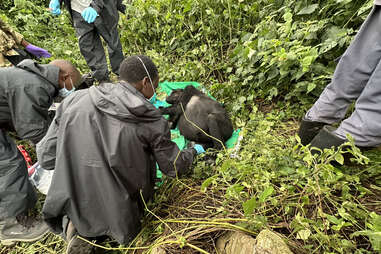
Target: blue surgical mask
x=63, y=92
x=153, y=98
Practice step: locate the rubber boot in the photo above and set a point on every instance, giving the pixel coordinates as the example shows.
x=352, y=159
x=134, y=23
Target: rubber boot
x=22, y=229
x=308, y=130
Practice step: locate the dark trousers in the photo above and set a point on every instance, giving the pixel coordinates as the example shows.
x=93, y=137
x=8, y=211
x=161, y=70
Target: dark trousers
x=90, y=44
x=17, y=194
x=15, y=60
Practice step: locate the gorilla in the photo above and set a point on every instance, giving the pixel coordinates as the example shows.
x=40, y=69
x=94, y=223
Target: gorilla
x=190, y=108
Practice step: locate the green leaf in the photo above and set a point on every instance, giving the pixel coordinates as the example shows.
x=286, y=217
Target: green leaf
x=375, y=222
x=265, y=194
x=249, y=206
x=339, y=158
x=287, y=17
x=311, y=86
x=207, y=182
x=306, y=62
x=303, y=234
x=375, y=239
x=246, y=37
x=251, y=53
x=333, y=219
x=187, y=6
x=308, y=10
x=182, y=241
x=242, y=99
x=344, y=1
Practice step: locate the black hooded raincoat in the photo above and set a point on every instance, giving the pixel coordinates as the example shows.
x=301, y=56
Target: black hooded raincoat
x=26, y=93
x=103, y=144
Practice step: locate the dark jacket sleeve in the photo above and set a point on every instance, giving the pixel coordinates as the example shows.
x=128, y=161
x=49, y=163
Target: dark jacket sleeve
x=172, y=161
x=29, y=110
x=98, y=5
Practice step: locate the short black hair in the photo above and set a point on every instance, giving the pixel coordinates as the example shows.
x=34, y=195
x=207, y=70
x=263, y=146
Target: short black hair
x=68, y=67
x=132, y=69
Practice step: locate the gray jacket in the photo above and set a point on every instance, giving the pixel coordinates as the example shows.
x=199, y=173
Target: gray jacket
x=103, y=144
x=26, y=93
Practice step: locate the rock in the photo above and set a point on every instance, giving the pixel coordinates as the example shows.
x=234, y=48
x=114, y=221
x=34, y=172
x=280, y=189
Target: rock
x=158, y=250
x=267, y=242
x=235, y=243
x=270, y=243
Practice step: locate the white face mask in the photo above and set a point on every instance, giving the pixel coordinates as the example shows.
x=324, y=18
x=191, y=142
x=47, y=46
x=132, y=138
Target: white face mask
x=153, y=97
x=63, y=92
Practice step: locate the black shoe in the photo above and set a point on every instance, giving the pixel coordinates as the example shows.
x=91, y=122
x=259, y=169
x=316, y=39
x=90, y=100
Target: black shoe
x=75, y=244
x=326, y=139
x=308, y=130
x=22, y=229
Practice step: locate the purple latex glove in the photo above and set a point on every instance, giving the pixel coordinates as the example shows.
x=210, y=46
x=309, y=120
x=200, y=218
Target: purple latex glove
x=38, y=52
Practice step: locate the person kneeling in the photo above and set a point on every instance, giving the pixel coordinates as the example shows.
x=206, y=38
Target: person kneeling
x=103, y=145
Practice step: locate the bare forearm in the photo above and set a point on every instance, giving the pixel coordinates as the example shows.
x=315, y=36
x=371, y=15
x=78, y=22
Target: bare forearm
x=24, y=43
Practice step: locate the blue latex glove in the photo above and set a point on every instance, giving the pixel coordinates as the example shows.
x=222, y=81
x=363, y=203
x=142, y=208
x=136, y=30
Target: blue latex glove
x=89, y=14
x=199, y=149
x=54, y=7
x=159, y=104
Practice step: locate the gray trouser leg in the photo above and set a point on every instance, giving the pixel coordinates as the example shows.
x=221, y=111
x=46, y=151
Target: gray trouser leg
x=16, y=192
x=91, y=47
x=352, y=72
x=364, y=125
x=108, y=29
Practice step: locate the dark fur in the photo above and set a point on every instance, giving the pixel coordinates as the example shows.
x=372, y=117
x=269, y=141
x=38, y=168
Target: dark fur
x=205, y=112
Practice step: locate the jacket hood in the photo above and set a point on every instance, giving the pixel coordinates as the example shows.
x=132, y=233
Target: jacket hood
x=48, y=72
x=124, y=102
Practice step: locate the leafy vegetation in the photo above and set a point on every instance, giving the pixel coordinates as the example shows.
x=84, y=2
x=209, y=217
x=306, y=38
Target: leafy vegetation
x=267, y=61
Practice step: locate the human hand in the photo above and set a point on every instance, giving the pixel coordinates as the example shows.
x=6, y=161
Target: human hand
x=37, y=52
x=89, y=14
x=199, y=149
x=54, y=7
